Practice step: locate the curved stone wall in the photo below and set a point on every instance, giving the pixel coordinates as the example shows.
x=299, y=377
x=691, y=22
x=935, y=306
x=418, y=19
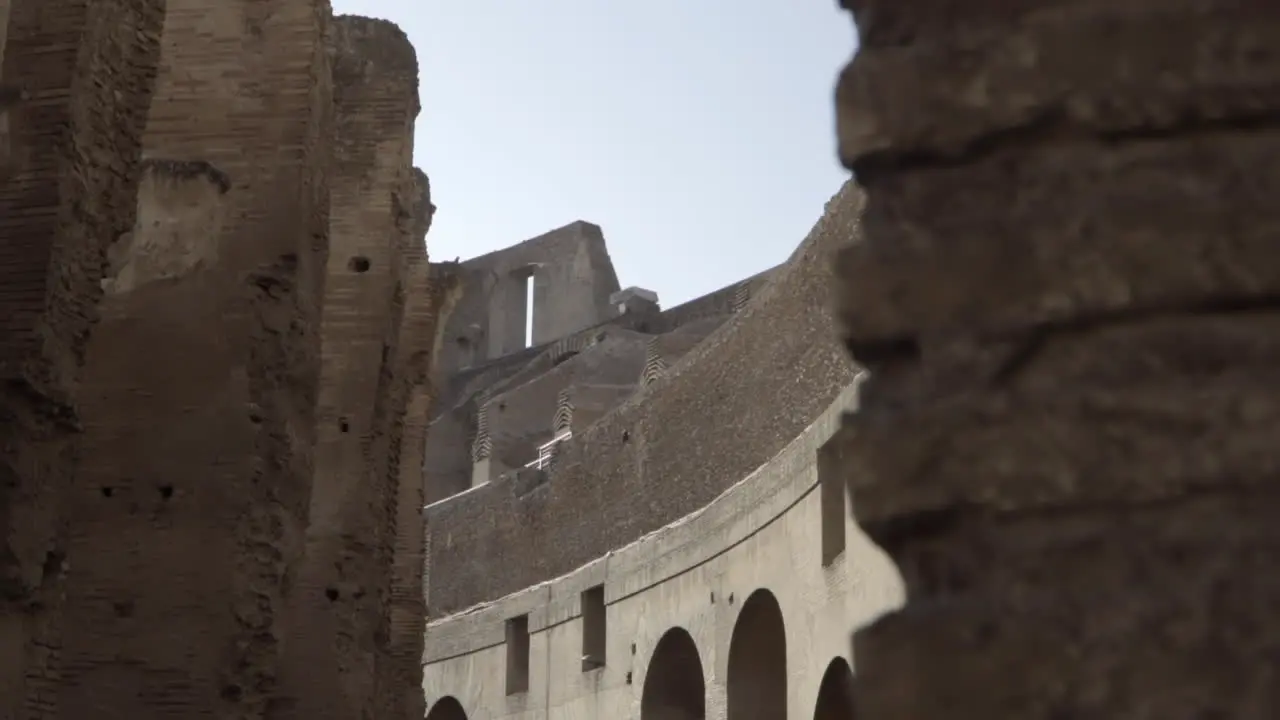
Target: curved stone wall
x=722, y=411
x=758, y=544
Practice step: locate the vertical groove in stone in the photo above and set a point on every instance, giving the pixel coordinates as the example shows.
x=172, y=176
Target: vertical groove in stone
x=1066, y=299
x=198, y=403
x=338, y=632
x=76, y=78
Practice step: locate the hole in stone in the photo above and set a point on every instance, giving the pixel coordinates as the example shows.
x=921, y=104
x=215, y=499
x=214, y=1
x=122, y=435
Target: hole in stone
x=633, y=648
x=628, y=677
x=107, y=491
x=331, y=593
x=343, y=425
x=730, y=598
x=52, y=564
x=626, y=435
x=713, y=596
x=359, y=264
x=123, y=608
x=166, y=491
x=502, y=406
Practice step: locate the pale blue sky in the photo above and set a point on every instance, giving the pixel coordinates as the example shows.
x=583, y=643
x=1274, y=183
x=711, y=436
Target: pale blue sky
x=697, y=133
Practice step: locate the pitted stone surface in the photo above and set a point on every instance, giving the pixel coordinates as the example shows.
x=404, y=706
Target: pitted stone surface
x=1066, y=297
x=338, y=627
x=76, y=78
x=198, y=401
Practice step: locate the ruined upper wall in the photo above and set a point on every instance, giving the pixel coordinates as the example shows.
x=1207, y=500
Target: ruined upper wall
x=736, y=400
x=573, y=278
x=718, y=303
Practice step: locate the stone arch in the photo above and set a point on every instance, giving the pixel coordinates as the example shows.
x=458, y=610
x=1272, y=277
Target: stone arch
x=674, y=687
x=447, y=708
x=757, y=677
x=835, y=694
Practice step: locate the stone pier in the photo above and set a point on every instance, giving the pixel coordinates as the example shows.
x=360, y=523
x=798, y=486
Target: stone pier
x=76, y=78
x=189, y=508
x=339, y=618
x=1066, y=297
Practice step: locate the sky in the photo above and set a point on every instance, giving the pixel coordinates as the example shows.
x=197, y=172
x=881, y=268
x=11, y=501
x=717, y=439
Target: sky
x=697, y=133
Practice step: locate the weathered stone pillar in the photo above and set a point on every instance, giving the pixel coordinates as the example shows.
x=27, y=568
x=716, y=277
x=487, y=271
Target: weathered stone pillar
x=1066, y=297
x=190, y=503
x=430, y=290
x=338, y=623
x=406, y=607
x=75, y=81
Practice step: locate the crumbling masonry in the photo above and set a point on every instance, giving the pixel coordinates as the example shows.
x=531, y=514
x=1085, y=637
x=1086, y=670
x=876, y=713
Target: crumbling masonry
x=1066, y=299
x=1062, y=287
x=76, y=78
x=252, y=238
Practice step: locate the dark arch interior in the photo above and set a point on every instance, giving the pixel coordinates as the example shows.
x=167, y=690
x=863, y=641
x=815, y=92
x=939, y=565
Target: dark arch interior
x=674, y=688
x=447, y=708
x=758, y=661
x=835, y=694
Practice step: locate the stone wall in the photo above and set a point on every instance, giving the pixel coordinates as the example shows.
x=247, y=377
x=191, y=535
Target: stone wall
x=726, y=300
x=573, y=279
x=191, y=498
x=704, y=574
x=427, y=301
x=76, y=78
x=669, y=450
x=340, y=613
x=1067, y=301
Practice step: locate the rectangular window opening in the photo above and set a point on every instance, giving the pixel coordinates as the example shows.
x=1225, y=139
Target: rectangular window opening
x=518, y=655
x=594, y=638
x=831, y=488
x=528, y=311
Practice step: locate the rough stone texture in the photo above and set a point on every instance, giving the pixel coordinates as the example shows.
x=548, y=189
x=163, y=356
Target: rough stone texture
x=190, y=502
x=75, y=81
x=338, y=622
x=665, y=449
x=430, y=290
x=1066, y=299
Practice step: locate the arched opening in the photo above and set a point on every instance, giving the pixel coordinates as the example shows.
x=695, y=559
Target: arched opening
x=447, y=708
x=835, y=694
x=758, y=661
x=674, y=688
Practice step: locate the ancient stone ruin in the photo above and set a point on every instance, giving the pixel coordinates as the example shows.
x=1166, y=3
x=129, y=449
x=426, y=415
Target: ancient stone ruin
x=218, y=323
x=261, y=459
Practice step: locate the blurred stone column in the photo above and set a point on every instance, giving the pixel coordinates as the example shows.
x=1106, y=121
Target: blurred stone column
x=1067, y=301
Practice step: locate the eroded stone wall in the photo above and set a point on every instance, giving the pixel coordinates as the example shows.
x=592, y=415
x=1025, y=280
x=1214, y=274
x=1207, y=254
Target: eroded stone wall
x=667, y=445
x=1066, y=298
x=75, y=81
x=190, y=502
x=427, y=298
x=339, y=619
